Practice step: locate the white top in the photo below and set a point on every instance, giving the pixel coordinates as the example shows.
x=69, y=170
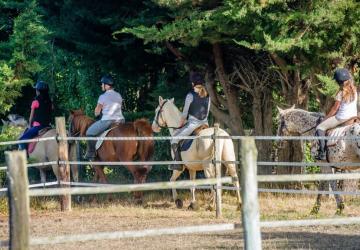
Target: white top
x=346, y=110
x=111, y=102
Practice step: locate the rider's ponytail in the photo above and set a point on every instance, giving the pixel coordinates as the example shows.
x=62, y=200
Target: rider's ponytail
x=201, y=90
x=349, y=91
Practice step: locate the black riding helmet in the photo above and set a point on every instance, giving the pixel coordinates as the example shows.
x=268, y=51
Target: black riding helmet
x=341, y=75
x=41, y=85
x=107, y=79
x=197, y=78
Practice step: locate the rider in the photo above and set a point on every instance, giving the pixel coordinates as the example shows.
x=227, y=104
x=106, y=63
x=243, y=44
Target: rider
x=196, y=112
x=40, y=114
x=109, y=105
x=345, y=107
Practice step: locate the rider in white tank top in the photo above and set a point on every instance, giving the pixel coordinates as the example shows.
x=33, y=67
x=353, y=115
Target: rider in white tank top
x=346, y=109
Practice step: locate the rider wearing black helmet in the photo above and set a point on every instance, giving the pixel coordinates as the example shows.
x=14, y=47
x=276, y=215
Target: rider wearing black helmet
x=195, y=114
x=109, y=105
x=40, y=114
x=345, y=107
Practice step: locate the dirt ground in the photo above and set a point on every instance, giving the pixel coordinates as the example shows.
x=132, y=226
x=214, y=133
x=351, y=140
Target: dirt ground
x=119, y=215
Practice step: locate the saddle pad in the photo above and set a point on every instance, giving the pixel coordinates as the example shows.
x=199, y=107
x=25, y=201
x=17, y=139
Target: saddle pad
x=31, y=146
x=102, y=135
x=336, y=132
x=185, y=144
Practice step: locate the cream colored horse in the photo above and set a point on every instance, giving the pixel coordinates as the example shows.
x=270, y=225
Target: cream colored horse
x=168, y=115
x=48, y=151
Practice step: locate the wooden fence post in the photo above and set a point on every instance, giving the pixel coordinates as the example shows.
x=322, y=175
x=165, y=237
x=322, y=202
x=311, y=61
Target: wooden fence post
x=249, y=194
x=18, y=199
x=217, y=157
x=64, y=169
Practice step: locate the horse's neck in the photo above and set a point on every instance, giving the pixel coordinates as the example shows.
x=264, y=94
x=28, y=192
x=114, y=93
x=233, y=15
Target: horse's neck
x=173, y=118
x=84, y=123
x=308, y=125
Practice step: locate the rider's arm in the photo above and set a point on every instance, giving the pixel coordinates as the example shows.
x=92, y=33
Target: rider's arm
x=98, y=109
x=188, y=101
x=31, y=117
x=34, y=105
x=333, y=109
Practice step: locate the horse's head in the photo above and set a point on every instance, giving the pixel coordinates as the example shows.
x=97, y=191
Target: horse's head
x=295, y=122
x=78, y=122
x=17, y=120
x=166, y=115
x=285, y=122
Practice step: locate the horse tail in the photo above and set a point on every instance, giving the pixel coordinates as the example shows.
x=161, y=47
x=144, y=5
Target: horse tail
x=145, y=147
x=227, y=151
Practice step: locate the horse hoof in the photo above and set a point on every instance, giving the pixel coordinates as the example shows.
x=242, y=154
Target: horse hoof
x=340, y=209
x=179, y=203
x=210, y=208
x=315, y=210
x=79, y=199
x=138, y=202
x=239, y=207
x=193, y=206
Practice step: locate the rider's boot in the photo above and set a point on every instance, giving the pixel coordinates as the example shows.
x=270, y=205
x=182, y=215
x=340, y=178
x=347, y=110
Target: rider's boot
x=322, y=146
x=176, y=150
x=90, y=151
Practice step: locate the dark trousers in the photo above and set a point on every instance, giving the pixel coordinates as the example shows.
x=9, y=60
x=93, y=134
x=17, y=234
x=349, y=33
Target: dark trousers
x=29, y=134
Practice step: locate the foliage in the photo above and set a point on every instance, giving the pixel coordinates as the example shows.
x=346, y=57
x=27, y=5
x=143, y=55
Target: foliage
x=24, y=50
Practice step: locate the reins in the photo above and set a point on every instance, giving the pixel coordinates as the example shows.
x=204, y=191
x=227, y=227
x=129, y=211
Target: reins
x=157, y=118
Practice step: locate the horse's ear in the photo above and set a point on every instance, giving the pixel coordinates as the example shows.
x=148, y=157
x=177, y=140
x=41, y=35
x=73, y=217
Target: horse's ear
x=293, y=106
x=172, y=100
x=160, y=99
x=280, y=109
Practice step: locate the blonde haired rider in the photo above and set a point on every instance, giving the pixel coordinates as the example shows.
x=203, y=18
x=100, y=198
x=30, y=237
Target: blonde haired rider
x=345, y=107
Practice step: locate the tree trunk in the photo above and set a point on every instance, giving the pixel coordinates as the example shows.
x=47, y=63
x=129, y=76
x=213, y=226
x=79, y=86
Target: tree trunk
x=234, y=121
x=262, y=113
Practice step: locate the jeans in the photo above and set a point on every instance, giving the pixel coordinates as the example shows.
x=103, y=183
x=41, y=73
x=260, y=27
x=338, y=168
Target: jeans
x=98, y=127
x=189, y=127
x=29, y=134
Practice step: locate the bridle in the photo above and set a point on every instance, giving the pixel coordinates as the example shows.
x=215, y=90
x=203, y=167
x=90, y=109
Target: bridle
x=160, y=113
x=70, y=131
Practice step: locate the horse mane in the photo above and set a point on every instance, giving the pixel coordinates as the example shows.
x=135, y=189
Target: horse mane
x=81, y=121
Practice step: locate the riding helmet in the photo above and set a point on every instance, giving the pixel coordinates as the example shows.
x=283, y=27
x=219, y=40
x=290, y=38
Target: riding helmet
x=107, y=79
x=196, y=78
x=41, y=85
x=341, y=75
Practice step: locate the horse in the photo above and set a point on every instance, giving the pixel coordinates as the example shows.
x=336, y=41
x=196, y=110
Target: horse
x=298, y=122
x=44, y=150
x=122, y=150
x=168, y=115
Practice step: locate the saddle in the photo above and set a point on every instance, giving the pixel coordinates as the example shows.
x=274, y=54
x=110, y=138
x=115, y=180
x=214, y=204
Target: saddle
x=104, y=134
x=185, y=144
x=340, y=130
x=31, y=146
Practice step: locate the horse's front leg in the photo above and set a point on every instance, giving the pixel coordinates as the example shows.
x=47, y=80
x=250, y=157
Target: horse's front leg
x=340, y=205
x=193, y=205
x=99, y=172
x=174, y=176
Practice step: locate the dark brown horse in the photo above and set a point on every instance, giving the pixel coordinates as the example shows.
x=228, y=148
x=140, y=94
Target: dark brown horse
x=141, y=150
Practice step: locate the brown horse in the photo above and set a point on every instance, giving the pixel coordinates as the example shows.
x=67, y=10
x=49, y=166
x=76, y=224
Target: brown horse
x=130, y=150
